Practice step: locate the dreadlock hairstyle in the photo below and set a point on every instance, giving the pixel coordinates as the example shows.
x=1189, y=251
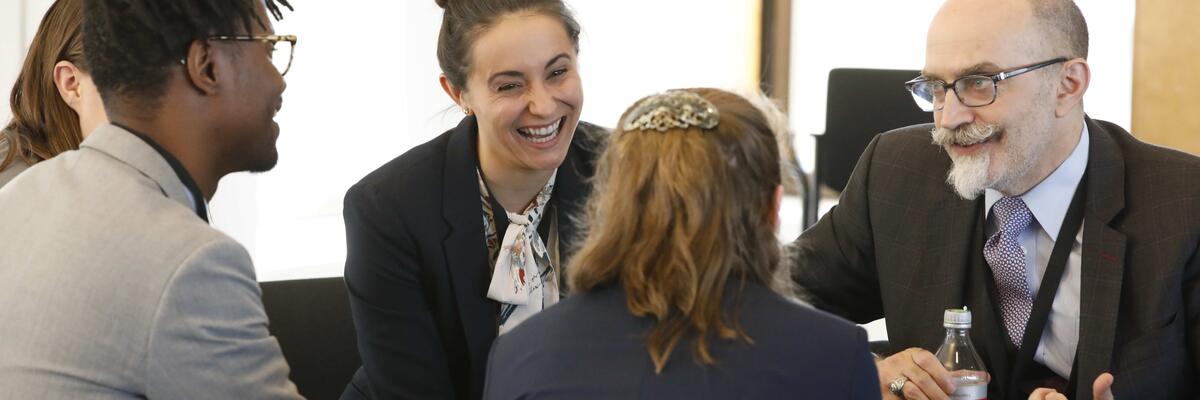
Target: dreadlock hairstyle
x=130, y=44
x=42, y=124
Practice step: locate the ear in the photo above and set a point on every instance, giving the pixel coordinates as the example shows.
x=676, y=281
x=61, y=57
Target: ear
x=201, y=67
x=66, y=79
x=456, y=93
x=1072, y=84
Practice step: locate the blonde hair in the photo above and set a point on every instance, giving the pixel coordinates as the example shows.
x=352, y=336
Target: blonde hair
x=676, y=214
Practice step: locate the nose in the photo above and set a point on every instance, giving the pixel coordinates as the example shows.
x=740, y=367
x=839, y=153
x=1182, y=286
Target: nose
x=541, y=101
x=953, y=113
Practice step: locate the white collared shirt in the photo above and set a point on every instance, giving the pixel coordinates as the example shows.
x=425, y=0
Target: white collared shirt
x=1048, y=201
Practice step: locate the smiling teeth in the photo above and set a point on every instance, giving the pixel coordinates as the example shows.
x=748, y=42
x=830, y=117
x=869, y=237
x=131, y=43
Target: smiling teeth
x=537, y=134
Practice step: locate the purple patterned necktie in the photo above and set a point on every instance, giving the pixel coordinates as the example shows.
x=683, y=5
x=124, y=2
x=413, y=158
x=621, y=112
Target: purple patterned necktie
x=1007, y=259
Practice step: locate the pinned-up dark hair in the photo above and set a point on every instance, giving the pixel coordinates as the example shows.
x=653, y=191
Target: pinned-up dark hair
x=464, y=20
x=129, y=44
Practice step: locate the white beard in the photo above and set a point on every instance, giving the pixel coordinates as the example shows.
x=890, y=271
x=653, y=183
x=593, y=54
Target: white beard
x=969, y=175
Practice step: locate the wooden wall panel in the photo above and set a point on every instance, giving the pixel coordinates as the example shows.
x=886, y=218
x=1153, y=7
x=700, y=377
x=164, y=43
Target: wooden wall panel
x=1166, y=74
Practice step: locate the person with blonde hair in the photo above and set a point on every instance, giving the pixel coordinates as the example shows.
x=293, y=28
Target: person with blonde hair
x=676, y=289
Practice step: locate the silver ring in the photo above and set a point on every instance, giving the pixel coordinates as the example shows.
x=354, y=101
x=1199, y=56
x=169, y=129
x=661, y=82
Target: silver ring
x=897, y=385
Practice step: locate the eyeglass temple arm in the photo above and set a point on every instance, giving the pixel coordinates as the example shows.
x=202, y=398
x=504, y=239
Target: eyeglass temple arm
x=1009, y=74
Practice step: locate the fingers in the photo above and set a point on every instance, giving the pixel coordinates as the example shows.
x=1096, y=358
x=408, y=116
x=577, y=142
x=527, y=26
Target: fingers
x=920, y=381
x=912, y=392
x=1046, y=394
x=1102, y=387
x=1040, y=394
x=934, y=369
x=927, y=378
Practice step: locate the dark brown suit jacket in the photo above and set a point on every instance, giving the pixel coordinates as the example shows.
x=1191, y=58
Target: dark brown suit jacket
x=902, y=245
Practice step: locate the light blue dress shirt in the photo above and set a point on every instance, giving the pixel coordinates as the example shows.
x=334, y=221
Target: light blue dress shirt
x=1048, y=201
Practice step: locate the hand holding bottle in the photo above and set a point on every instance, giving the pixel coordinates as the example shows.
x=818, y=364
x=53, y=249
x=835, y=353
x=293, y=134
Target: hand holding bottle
x=919, y=374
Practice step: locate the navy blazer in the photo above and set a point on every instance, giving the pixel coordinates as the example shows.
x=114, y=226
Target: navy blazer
x=417, y=267
x=591, y=347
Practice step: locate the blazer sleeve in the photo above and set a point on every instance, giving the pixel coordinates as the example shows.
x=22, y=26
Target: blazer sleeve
x=397, y=338
x=834, y=261
x=209, y=336
x=864, y=378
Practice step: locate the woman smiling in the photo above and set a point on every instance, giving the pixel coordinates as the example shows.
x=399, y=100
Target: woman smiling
x=464, y=237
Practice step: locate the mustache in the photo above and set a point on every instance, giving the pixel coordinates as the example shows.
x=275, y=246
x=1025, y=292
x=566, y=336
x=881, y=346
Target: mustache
x=966, y=135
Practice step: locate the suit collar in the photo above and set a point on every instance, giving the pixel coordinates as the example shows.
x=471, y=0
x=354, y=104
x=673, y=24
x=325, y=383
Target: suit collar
x=464, y=246
x=570, y=193
x=154, y=162
x=1106, y=170
x=1103, y=256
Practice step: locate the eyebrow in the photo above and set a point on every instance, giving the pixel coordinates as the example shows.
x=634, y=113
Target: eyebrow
x=977, y=69
x=518, y=74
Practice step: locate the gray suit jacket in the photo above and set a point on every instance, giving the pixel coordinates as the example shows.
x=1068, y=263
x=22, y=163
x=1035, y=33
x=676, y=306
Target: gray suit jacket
x=901, y=244
x=111, y=287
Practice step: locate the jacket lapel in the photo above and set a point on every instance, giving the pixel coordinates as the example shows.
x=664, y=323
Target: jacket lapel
x=570, y=192
x=135, y=152
x=1103, y=258
x=464, y=247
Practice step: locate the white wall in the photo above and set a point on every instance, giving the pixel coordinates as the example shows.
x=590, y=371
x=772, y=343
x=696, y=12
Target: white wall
x=18, y=23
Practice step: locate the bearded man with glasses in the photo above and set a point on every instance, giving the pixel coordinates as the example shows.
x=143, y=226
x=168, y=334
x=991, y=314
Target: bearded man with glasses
x=1073, y=243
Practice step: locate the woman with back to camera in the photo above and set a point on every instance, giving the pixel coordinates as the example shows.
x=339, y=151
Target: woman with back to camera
x=464, y=237
x=54, y=102
x=678, y=289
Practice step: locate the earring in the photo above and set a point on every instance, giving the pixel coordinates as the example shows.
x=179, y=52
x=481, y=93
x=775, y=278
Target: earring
x=466, y=110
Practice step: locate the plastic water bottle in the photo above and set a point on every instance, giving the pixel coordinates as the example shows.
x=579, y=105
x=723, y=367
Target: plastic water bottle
x=959, y=357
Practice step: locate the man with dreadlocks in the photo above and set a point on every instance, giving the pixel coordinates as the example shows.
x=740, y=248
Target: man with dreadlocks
x=116, y=287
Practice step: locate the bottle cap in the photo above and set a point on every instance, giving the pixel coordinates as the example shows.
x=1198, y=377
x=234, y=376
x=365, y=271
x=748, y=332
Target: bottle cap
x=957, y=318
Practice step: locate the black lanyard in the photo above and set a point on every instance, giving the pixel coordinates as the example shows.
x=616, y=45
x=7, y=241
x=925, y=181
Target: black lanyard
x=1045, y=296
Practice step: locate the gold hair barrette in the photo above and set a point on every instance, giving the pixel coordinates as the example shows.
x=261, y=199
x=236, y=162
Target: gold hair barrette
x=672, y=109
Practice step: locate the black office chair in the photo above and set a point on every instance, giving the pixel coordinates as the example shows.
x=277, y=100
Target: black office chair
x=311, y=319
x=861, y=103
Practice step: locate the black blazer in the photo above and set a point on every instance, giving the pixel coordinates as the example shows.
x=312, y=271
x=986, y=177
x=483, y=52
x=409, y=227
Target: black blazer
x=417, y=269
x=901, y=244
x=591, y=347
